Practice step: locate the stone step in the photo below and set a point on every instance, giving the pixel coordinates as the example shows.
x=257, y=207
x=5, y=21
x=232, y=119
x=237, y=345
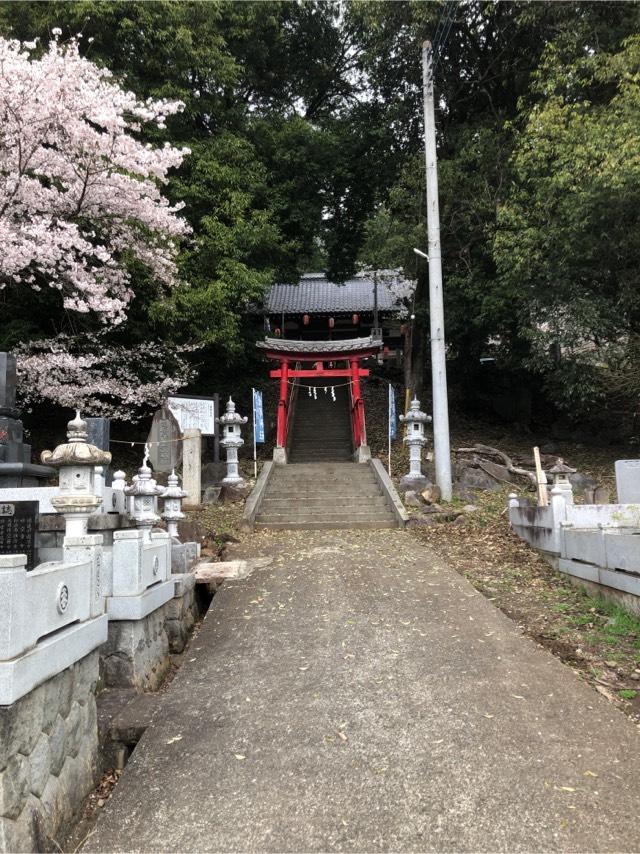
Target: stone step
x=323, y=484
x=327, y=515
x=318, y=446
x=348, y=470
x=313, y=501
x=325, y=494
x=313, y=524
x=328, y=456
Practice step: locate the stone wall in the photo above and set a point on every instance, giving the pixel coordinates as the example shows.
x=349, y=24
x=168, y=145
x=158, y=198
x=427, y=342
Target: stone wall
x=48, y=757
x=182, y=612
x=136, y=654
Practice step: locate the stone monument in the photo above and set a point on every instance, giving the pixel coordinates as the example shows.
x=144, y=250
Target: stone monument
x=16, y=468
x=165, y=447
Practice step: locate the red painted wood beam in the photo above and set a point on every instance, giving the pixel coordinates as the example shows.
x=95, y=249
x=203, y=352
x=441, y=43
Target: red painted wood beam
x=327, y=372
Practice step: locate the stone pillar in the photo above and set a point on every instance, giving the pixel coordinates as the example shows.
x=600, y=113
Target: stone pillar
x=192, y=466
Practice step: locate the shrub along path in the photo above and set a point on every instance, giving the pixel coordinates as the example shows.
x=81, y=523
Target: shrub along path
x=359, y=695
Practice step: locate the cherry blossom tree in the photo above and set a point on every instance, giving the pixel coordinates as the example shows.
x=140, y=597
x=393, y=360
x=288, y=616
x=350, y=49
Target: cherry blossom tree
x=402, y=288
x=81, y=199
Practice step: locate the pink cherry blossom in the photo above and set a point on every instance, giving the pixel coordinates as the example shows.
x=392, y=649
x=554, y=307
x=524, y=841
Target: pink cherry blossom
x=68, y=157
x=79, y=191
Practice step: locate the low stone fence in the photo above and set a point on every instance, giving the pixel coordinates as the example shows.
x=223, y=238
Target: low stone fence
x=56, y=616
x=598, y=545
x=108, y=609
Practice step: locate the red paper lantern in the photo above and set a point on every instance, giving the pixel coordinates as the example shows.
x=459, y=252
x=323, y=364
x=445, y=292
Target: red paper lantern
x=331, y=323
x=355, y=319
x=306, y=319
x=386, y=350
x=278, y=333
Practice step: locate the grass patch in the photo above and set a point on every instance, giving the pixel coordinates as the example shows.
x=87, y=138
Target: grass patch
x=627, y=694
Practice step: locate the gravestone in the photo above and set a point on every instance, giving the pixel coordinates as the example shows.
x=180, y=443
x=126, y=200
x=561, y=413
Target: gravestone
x=99, y=434
x=165, y=449
x=628, y=481
x=16, y=468
x=18, y=525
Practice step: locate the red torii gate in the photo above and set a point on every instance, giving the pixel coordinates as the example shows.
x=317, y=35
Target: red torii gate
x=320, y=353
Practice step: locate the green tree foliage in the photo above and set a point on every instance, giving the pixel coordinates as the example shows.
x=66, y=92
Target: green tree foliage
x=305, y=125
x=567, y=247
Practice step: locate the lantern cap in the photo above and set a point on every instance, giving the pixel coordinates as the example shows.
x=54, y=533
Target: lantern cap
x=143, y=483
x=231, y=416
x=561, y=468
x=173, y=489
x=415, y=413
x=76, y=451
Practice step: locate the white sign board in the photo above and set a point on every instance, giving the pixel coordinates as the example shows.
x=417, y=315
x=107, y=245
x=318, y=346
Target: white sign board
x=194, y=413
x=628, y=481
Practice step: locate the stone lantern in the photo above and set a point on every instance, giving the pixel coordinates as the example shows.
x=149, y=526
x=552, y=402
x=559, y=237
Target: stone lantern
x=144, y=493
x=415, y=421
x=561, y=473
x=172, y=504
x=231, y=440
x=76, y=461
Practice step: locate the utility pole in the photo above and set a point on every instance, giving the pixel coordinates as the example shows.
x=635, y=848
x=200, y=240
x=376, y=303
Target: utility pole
x=441, y=445
x=376, y=332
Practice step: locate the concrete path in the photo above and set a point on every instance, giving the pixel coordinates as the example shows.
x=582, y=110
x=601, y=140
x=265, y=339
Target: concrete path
x=358, y=695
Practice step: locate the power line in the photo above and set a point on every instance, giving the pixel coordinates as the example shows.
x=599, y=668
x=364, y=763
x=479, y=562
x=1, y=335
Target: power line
x=443, y=30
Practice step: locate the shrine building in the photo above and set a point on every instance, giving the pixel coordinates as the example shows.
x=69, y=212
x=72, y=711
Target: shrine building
x=317, y=309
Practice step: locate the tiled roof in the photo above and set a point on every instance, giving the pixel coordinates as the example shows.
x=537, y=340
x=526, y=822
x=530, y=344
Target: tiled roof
x=347, y=345
x=314, y=294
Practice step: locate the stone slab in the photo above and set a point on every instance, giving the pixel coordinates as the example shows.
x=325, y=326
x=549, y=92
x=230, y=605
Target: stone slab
x=138, y=607
x=628, y=481
x=49, y=657
x=358, y=695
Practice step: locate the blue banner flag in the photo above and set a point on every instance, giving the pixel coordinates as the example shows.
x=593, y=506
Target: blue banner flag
x=258, y=423
x=392, y=412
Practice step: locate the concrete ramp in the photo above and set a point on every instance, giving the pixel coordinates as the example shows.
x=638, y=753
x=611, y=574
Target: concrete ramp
x=359, y=695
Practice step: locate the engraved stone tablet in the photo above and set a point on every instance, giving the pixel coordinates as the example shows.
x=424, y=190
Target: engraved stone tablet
x=165, y=451
x=628, y=481
x=18, y=526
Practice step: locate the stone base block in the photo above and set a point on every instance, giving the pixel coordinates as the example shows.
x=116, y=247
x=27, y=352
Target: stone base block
x=136, y=654
x=416, y=484
x=48, y=757
x=280, y=456
x=362, y=454
x=183, y=556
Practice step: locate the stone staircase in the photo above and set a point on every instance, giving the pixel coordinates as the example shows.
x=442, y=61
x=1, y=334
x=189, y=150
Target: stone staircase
x=324, y=495
x=321, y=429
